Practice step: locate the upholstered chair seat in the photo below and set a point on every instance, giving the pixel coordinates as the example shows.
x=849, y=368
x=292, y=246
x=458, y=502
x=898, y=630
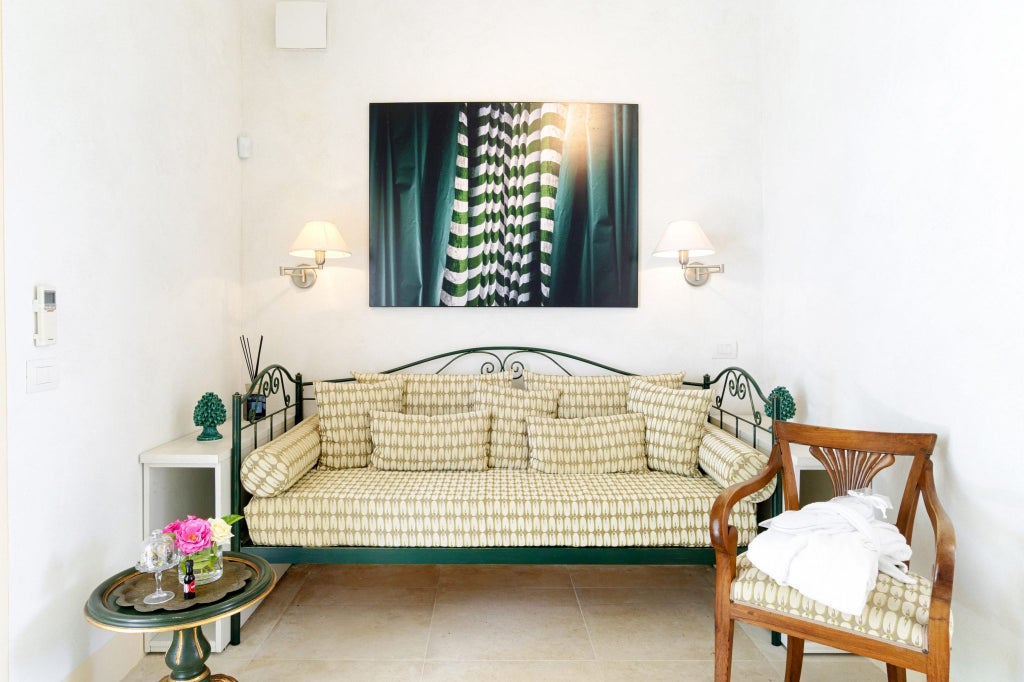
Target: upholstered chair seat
x=895, y=612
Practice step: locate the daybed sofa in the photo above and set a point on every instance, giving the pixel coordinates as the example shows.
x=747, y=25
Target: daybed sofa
x=506, y=459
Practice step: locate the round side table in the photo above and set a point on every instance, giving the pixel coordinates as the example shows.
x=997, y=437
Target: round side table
x=189, y=648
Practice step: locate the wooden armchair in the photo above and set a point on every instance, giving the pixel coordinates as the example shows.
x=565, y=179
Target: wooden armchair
x=906, y=626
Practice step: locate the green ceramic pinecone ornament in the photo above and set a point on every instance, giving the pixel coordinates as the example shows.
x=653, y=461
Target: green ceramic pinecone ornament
x=783, y=398
x=209, y=414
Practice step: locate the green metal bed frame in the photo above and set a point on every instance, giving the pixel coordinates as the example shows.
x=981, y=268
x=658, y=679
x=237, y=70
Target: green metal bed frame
x=736, y=390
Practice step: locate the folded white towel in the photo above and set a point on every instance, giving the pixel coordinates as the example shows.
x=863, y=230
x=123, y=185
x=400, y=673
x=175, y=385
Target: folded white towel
x=832, y=551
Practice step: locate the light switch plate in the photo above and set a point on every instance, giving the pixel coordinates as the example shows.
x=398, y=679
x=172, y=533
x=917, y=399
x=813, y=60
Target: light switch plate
x=726, y=350
x=41, y=375
x=301, y=25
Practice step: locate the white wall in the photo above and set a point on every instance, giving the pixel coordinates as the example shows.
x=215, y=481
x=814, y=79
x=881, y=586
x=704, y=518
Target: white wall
x=691, y=66
x=123, y=191
x=892, y=204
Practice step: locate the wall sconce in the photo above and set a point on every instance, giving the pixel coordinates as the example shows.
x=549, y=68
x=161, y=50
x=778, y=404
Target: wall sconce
x=318, y=240
x=685, y=239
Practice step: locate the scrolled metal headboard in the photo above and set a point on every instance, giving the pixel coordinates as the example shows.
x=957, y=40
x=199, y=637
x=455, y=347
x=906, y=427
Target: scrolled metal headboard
x=745, y=413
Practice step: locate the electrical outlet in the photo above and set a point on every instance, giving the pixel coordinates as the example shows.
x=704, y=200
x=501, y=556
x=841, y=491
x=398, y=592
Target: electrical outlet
x=726, y=350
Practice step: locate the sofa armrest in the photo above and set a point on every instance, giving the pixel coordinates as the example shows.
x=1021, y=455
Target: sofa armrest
x=728, y=461
x=270, y=470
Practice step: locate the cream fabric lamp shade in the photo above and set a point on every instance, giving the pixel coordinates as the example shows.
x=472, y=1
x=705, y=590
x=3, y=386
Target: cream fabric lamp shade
x=684, y=235
x=319, y=235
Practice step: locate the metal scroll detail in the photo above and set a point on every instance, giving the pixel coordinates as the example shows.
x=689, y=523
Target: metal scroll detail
x=271, y=381
x=506, y=358
x=736, y=383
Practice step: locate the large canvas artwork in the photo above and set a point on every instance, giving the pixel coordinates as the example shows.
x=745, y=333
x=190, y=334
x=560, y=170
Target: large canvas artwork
x=503, y=204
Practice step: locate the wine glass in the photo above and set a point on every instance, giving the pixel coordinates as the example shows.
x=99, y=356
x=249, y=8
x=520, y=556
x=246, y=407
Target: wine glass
x=158, y=553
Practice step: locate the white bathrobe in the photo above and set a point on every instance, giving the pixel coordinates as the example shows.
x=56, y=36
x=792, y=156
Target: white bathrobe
x=832, y=551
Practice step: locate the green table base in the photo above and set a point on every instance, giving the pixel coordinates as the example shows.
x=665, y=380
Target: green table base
x=187, y=656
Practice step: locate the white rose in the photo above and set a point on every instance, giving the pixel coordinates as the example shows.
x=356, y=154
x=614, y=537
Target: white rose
x=220, y=531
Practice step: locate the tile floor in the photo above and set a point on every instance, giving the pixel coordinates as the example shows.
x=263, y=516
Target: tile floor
x=503, y=623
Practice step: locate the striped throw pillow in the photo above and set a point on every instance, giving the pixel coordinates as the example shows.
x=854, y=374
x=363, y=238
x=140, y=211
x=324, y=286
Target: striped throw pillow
x=415, y=442
x=433, y=394
x=344, y=410
x=509, y=408
x=588, y=445
x=675, y=424
x=595, y=396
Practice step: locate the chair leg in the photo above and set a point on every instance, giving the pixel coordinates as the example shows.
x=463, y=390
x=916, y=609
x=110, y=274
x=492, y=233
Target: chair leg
x=938, y=669
x=894, y=674
x=724, y=629
x=794, y=658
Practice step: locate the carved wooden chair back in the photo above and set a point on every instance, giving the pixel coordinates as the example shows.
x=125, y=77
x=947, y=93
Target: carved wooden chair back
x=852, y=459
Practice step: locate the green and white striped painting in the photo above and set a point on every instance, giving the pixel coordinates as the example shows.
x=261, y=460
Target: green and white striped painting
x=503, y=204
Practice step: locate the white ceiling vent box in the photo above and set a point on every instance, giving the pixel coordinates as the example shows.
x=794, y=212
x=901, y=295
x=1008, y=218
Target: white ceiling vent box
x=301, y=25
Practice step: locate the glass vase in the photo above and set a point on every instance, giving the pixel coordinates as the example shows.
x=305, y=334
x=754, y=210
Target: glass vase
x=207, y=565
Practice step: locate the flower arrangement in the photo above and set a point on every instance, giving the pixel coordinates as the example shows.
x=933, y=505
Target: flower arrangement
x=200, y=540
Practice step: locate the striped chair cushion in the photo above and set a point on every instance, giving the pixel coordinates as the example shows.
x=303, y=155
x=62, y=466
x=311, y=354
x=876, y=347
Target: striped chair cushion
x=509, y=408
x=414, y=442
x=589, y=445
x=595, y=396
x=345, y=419
x=675, y=424
x=434, y=394
x=729, y=460
x=894, y=613
x=273, y=468
x=493, y=508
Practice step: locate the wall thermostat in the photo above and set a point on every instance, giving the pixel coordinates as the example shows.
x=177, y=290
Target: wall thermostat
x=45, y=307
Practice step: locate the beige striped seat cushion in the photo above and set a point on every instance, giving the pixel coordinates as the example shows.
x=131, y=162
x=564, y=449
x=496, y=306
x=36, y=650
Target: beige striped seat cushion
x=416, y=442
x=509, y=408
x=344, y=410
x=589, y=445
x=493, y=508
x=894, y=613
x=434, y=394
x=595, y=396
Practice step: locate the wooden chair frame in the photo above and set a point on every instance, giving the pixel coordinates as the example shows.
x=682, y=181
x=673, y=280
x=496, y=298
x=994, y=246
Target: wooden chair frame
x=852, y=459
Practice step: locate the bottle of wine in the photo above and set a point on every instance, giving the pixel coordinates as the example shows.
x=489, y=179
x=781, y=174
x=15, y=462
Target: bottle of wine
x=189, y=587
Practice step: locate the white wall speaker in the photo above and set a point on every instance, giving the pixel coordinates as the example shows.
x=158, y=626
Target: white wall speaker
x=301, y=25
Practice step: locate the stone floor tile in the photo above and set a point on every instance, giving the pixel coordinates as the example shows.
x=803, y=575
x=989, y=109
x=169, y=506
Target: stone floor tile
x=640, y=576
x=508, y=624
x=271, y=670
x=469, y=576
x=511, y=671
x=357, y=630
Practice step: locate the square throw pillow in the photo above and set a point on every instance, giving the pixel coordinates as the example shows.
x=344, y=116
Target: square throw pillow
x=415, y=442
x=344, y=410
x=509, y=408
x=675, y=424
x=433, y=394
x=592, y=396
x=588, y=445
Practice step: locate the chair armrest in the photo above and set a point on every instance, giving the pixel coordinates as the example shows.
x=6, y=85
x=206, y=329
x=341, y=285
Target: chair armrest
x=270, y=470
x=728, y=460
x=945, y=563
x=723, y=536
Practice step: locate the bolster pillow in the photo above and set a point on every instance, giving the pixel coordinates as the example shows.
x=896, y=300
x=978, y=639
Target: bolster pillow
x=270, y=470
x=728, y=461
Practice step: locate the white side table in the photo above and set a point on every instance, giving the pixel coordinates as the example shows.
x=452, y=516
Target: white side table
x=182, y=477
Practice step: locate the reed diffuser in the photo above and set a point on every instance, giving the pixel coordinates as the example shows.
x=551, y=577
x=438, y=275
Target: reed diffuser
x=256, y=402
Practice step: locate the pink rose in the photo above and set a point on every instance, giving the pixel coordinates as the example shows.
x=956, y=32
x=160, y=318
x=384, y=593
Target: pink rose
x=193, y=534
x=172, y=527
